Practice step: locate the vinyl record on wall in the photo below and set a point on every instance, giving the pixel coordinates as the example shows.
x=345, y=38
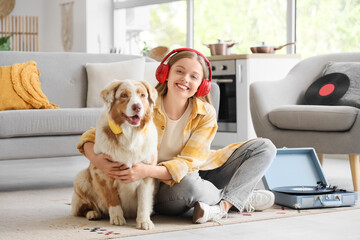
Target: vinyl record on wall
x=328, y=89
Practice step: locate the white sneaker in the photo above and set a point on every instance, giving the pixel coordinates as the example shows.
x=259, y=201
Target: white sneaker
x=204, y=212
x=259, y=200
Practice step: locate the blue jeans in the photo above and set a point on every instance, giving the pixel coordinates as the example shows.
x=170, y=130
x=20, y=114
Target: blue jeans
x=234, y=181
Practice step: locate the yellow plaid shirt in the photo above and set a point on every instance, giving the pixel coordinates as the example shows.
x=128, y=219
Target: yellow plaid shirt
x=198, y=133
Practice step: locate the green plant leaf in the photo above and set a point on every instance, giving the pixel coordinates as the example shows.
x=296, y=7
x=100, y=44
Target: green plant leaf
x=5, y=43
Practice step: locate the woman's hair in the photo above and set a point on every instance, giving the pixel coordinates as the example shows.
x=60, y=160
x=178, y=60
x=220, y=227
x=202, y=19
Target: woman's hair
x=162, y=87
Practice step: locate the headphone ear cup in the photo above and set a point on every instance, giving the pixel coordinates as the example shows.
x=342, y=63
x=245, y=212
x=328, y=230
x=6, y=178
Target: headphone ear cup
x=162, y=72
x=204, y=88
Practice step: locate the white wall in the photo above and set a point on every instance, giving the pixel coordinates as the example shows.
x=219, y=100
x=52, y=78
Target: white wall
x=52, y=26
x=92, y=19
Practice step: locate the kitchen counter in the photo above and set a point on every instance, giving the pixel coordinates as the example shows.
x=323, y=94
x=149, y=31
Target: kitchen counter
x=252, y=55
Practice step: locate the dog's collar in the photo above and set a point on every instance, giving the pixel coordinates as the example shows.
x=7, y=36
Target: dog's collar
x=116, y=129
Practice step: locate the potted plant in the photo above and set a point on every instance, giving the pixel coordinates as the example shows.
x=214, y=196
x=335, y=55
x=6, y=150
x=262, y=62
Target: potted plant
x=5, y=43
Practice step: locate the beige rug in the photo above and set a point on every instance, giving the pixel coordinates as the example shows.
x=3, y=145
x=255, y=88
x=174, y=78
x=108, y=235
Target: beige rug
x=45, y=214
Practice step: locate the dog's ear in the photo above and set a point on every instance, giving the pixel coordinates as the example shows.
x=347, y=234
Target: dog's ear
x=153, y=94
x=108, y=93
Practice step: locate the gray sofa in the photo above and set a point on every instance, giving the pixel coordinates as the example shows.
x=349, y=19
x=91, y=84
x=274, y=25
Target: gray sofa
x=46, y=133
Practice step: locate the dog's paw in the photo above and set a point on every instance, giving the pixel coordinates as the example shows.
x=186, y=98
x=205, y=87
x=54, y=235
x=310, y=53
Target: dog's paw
x=117, y=220
x=145, y=225
x=93, y=215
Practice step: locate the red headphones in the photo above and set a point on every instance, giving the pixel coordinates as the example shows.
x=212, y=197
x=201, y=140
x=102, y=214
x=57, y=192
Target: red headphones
x=163, y=70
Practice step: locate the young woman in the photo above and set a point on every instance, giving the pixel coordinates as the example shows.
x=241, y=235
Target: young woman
x=191, y=174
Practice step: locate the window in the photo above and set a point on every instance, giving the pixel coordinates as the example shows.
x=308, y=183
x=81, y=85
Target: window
x=139, y=29
x=321, y=26
x=247, y=22
x=327, y=27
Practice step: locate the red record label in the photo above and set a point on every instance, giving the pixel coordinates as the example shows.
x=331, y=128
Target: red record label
x=328, y=89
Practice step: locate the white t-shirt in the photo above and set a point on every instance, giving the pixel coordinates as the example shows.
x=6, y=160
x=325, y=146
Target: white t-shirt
x=173, y=139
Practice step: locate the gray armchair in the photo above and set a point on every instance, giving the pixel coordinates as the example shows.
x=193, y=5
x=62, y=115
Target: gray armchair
x=278, y=113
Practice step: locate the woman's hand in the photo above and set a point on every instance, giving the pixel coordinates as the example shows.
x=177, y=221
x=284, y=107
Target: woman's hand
x=101, y=161
x=122, y=172
x=142, y=170
x=136, y=172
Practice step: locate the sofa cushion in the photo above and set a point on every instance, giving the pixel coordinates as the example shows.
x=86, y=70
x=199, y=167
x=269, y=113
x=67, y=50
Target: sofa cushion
x=46, y=122
x=352, y=70
x=314, y=118
x=100, y=74
x=20, y=87
x=64, y=73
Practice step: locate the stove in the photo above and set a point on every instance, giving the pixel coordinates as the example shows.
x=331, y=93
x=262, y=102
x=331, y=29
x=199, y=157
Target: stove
x=224, y=74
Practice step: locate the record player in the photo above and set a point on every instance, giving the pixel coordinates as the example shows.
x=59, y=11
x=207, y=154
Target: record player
x=297, y=180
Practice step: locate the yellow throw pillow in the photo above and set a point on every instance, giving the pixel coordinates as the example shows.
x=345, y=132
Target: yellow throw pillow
x=20, y=88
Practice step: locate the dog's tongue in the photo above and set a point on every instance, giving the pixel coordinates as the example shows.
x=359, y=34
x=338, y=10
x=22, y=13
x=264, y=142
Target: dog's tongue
x=134, y=120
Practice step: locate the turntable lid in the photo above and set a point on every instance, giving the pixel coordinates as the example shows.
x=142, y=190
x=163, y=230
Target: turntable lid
x=294, y=167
